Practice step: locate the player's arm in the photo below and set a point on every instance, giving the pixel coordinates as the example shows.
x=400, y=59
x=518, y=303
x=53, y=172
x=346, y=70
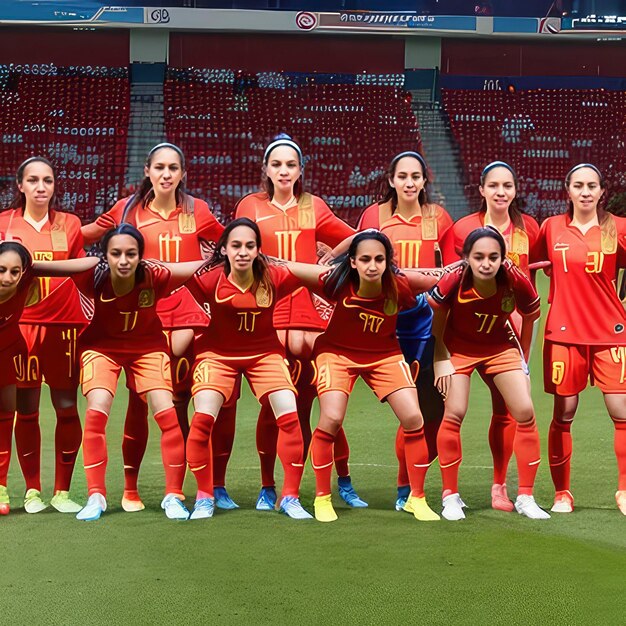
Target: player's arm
x=443, y=368
x=307, y=273
x=64, y=268
x=180, y=273
x=422, y=279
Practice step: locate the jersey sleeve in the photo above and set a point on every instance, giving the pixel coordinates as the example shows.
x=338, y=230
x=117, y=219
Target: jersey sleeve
x=96, y=230
x=532, y=231
x=369, y=218
x=330, y=229
x=204, y=281
x=85, y=282
x=245, y=208
x=161, y=277
x=449, y=245
x=444, y=222
x=445, y=289
x=406, y=299
x=526, y=298
x=75, y=237
x=284, y=281
x=539, y=250
x=210, y=229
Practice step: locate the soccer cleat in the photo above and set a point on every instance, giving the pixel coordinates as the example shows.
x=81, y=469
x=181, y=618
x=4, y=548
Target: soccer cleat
x=348, y=494
x=5, y=503
x=420, y=509
x=324, y=511
x=223, y=500
x=563, y=502
x=131, y=502
x=203, y=508
x=404, y=492
x=500, y=499
x=267, y=499
x=620, y=498
x=174, y=508
x=33, y=502
x=525, y=505
x=96, y=505
x=63, y=504
x=291, y=507
x=453, y=507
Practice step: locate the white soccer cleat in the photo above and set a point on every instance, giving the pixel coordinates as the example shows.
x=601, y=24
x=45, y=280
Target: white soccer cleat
x=95, y=507
x=453, y=508
x=563, y=502
x=174, y=508
x=525, y=505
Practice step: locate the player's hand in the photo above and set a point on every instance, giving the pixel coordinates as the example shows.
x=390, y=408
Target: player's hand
x=443, y=376
x=540, y=265
x=324, y=253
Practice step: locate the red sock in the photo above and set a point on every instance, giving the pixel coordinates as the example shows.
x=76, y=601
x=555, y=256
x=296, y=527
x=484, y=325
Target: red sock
x=28, y=445
x=290, y=452
x=6, y=441
x=560, y=453
x=172, y=450
x=199, y=451
x=620, y=452
x=222, y=439
x=322, y=460
x=528, y=456
x=403, y=475
x=501, y=437
x=342, y=454
x=266, y=440
x=450, y=455
x=135, y=440
x=95, y=451
x=67, y=438
x=416, y=459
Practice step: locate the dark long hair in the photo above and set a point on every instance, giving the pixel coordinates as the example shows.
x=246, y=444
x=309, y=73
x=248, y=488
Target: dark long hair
x=260, y=265
x=145, y=194
x=515, y=208
x=601, y=211
x=343, y=272
x=19, y=199
x=266, y=182
x=20, y=250
x=388, y=193
x=103, y=269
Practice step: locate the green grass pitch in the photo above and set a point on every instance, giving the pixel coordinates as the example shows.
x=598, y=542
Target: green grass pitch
x=373, y=566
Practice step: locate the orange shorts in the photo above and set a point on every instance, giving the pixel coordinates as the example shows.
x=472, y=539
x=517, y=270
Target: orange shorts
x=52, y=356
x=13, y=362
x=144, y=373
x=337, y=372
x=506, y=361
x=567, y=368
x=266, y=373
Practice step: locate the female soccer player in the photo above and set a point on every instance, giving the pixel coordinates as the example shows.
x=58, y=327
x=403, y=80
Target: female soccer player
x=176, y=228
x=472, y=307
x=361, y=341
x=291, y=222
x=50, y=328
x=415, y=227
x=241, y=291
x=126, y=333
x=584, y=333
x=500, y=208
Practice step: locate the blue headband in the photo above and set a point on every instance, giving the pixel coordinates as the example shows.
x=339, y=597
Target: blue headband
x=495, y=164
x=410, y=153
x=283, y=141
x=580, y=166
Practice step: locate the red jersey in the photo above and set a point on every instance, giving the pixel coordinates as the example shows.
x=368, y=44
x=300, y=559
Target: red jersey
x=584, y=306
x=477, y=326
x=292, y=234
x=177, y=238
x=241, y=320
x=127, y=324
x=11, y=310
x=364, y=329
x=415, y=241
x=59, y=239
x=519, y=242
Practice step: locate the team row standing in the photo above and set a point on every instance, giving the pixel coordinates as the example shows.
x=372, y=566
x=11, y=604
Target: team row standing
x=407, y=178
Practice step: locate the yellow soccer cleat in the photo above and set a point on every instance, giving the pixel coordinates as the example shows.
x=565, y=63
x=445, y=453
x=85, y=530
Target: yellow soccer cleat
x=324, y=511
x=420, y=509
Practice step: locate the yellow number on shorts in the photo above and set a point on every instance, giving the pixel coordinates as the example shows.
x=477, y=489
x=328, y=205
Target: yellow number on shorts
x=558, y=372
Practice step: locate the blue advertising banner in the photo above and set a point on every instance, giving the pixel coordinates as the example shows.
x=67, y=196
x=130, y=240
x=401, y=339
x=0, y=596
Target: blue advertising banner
x=74, y=12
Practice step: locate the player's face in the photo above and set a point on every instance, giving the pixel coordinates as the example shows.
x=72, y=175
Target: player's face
x=408, y=179
x=37, y=184
x=283, y=168
x=499, y=189
x=123, y=256
x=584, y=190
x=11, y=271
x=241, y=248
x=370, y=261
x=485, y=258
x=165, y=171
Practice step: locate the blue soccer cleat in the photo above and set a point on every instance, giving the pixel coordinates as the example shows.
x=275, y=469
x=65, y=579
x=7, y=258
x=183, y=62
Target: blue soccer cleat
x=203, y=509
x=267, y=499
x=404, y=491
x=96, y=505
x=348, y=494
x=223, y=500
x=291, y=507
x=174, y=508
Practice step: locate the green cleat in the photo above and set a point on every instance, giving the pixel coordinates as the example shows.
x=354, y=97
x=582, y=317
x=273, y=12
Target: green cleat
x=33, y=502
x=5, y=504
x=63, y=504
